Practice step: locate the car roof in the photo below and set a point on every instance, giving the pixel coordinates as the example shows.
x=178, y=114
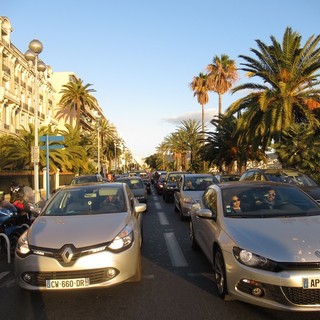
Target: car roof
x=247, y=184
x=128, y=178
x=198, y=175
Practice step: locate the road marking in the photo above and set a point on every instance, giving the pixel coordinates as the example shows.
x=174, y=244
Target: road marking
x=162, y=218
x=158, y=205
x=175, y=253
x=3, y=274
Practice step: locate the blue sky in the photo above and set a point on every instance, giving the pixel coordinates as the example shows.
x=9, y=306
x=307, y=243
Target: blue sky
x=141, y=55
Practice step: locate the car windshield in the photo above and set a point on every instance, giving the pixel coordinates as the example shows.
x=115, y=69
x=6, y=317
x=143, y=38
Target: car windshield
x=297, y=178
x=264, y=202
x=84, y=179
x=87, y=200
x=197, y=183
x=134, y=183
x=174, y=177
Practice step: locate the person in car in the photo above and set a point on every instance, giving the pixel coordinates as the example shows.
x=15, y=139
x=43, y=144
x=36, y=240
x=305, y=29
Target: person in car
x=236, y=204
x=189, y=185
x=270, y=198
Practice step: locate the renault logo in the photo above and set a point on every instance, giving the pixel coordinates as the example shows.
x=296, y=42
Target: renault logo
x=67, y=254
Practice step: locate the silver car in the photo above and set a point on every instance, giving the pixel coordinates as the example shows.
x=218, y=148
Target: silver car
x=189, y=190
x=261, y=254
x=86, y=236
x=137, y=187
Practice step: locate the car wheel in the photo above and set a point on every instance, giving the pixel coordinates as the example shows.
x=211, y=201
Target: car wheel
x=182, y=217
x=176, y=209
x=166, y=198
x=194, y=243
x=141, y=241
x=220, y=273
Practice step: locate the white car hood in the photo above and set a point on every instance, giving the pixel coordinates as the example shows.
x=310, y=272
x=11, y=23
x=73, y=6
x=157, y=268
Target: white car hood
x=81, y=231
x=279, y=239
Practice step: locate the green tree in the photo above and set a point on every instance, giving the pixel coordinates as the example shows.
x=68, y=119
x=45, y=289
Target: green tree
x=222, y=148
x=76, y=154
x=190, y=135
x=222, y=74
x=199, y=85
x=300, y=148
x=75, y=96
x=288, y=92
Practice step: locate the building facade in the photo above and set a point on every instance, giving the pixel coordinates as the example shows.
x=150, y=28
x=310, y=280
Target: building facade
x=18, y=91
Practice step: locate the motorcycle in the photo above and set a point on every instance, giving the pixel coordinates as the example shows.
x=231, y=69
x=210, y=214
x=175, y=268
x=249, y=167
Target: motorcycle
x=11, y=227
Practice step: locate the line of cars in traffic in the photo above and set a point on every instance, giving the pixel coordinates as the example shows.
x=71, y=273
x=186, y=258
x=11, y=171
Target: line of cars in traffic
x=265, y=252
x=260, y=234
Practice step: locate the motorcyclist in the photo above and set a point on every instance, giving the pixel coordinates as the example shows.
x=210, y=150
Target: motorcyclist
x=21, y=205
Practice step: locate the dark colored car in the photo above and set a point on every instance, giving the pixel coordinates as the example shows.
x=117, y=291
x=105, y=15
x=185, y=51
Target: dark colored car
x=227, y=177
x=158, y=184
x=170, y=183
x=286, y=176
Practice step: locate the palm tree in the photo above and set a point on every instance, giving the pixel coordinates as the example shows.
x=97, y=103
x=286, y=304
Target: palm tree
x=190, y=135
x=300, y=148
x=222, y=74
x=289, y=92
x=222, y=147
x=75, y=151
x=199, y=85
x=75, y=96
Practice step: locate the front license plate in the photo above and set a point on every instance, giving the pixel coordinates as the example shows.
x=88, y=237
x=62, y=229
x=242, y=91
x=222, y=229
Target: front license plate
x=67, y=283
x=311, y=283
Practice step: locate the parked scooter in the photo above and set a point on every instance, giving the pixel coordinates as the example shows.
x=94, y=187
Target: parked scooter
x=12, y=225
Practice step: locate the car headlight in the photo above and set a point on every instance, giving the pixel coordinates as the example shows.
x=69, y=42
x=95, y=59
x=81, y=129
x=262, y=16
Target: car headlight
x=189, y=201
x=22, y=247
x=123, y=240
x=253, y=260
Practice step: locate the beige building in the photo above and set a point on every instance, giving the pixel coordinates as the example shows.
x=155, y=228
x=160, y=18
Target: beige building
x=18, y=91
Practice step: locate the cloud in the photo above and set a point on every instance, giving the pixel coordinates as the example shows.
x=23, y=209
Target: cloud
x=208, y=115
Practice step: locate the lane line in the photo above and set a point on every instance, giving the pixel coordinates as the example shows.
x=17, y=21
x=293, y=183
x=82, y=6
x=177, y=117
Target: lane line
x=162, y=218
x=175, y=253
x=3, y=274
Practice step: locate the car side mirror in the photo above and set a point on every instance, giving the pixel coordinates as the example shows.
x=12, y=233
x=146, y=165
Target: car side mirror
x=205, y=214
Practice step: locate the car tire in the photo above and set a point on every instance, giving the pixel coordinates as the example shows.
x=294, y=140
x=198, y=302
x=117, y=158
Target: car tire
x=219, y=270
x=194, y=243
x=166, y=198
x=176, y=209
x=182, y=217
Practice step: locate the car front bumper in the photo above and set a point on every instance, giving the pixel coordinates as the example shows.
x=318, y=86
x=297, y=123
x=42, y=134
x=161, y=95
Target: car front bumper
x=102, y=269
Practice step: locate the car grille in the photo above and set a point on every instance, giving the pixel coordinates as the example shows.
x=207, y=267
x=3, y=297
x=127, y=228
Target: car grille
x=300, y=296
x=57, y=253
x=95, y=276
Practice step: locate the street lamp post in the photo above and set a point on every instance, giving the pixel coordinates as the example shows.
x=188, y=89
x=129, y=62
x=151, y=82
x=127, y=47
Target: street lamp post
x=35, y=48
x=99, y=166
x=97, y=117
x=115, y=156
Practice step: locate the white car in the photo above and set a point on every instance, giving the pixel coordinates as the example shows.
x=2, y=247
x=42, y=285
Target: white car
x=263, y=255
x=86, y=236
